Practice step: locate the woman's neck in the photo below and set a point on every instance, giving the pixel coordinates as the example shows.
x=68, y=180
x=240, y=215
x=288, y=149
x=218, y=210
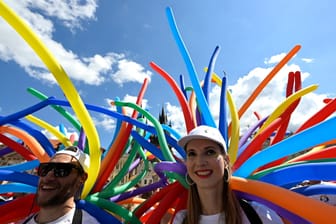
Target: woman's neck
x=211, y=200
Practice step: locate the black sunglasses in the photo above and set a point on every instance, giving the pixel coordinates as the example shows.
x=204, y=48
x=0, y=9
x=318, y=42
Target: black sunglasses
x=60, y=169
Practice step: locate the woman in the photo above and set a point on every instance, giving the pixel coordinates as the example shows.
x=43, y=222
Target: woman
x=211, y=199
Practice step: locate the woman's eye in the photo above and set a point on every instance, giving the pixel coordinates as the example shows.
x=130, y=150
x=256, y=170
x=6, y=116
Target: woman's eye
x=191, y=154
x=211, y=152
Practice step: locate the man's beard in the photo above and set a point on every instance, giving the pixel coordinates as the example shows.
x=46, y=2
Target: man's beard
x=57, y=199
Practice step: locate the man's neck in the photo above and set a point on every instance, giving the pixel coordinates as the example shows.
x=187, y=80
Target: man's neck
x=51, y=213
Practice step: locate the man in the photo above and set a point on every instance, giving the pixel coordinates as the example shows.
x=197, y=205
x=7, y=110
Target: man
x=60, y=184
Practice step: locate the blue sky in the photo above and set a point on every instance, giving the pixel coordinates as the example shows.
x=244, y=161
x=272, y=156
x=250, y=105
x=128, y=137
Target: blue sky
x=106, y=46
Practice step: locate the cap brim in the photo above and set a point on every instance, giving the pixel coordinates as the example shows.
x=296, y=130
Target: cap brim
x=184, y=140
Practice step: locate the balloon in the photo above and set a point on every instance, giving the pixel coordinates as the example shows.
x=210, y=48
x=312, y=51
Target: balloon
x=329, y=152
x=283, y=106
x=58, y=134
x=11, y=213
x=18, y=147
x=81, y=140
x=117, y=129
x=256, y=144
x=17, y=187
x=283, y=212
x=280, y=196
x=249, y=132
x=235, y=130
x=59, y=109
x=223, y=123
x=20, y=114
x=112, y=207
x=113, y=155
x=268, y=78
x=41, y=138
x=101, y=215
x=187, y=114
x=307, y=138
x=202, y=104
x=326, y=111
x=15, y=176
x=31, y=142
x=317, y=189
x=22, y=166
x=294, y=174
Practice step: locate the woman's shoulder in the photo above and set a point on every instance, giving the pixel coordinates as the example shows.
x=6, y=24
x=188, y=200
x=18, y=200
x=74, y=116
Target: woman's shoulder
x=266, y=214
x=180, y=216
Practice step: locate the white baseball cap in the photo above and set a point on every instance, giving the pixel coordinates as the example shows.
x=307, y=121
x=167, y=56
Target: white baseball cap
x=203, y=132
x=79, y=155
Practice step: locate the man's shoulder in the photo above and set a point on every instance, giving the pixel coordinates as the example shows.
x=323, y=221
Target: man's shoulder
x=88, y=218
x=28, y=220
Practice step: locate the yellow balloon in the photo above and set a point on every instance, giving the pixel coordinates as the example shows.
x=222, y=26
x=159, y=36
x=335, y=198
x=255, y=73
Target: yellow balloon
x=62, y=138
x=235, y=127
x=285, y=104
x=66, y=85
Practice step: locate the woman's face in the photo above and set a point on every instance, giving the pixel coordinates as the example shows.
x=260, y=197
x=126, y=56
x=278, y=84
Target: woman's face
x=205, y=163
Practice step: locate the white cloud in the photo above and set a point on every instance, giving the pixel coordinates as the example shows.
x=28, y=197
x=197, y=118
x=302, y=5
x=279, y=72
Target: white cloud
x=130, y=71
x=274, y=59
x=92, y=70
x=132, y=99
x=175, y=116
x=70, y=12
x=307, y=60
x=108, y=123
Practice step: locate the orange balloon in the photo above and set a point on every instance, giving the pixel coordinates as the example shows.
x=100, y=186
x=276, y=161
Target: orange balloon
x=30, y=141
x=309, y=209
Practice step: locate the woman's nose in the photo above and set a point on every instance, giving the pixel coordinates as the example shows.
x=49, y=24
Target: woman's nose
x=201, y=161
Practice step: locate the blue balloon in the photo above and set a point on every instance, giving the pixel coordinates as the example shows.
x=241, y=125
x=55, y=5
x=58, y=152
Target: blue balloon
x=15, y=176
x=292, y=175
x=22, y=166
x=17, y=187
x=25, y=112
x=101, y=215
x=223, y=123
x=201, y=100
x=316, y=189
x=308, y=138
x=147, y=145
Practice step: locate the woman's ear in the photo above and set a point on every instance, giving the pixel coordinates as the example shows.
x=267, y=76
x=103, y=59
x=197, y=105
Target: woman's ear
x=227, y=158
x=84, y=177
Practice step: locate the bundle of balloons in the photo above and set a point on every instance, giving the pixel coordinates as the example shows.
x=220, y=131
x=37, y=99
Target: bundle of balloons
x=263, y=175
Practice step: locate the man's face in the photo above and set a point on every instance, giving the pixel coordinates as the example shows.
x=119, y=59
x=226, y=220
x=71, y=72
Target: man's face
x=53, y=191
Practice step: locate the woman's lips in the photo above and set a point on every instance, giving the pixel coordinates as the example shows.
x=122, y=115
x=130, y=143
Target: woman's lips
x=203, y=173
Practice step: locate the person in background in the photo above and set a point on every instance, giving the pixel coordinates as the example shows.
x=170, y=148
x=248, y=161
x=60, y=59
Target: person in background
x=60, y=185
x=211, y=199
